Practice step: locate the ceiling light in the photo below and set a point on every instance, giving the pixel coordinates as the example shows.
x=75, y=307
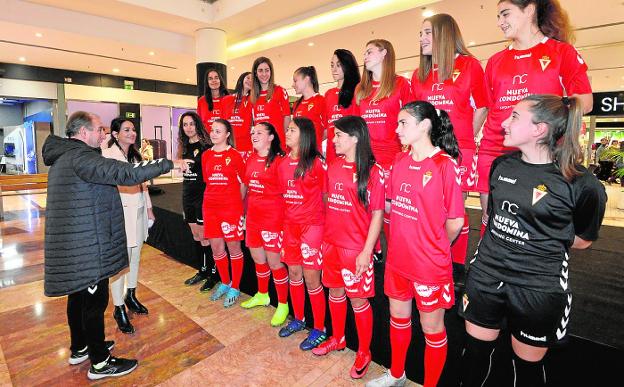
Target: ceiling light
x=22, y=59
x=310, y=44
x=151, y=53
x=233, y=67
x=471, y=43
x=115, y=70
x=38, y=34
x=428, y=13
x=188, y=79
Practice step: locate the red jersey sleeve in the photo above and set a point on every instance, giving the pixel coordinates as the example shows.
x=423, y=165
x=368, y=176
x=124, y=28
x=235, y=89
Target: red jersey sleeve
x=574, y=72
x=377, y=199
x=416, y=86
x=239, y=165
x=282, y=100
x=453, y=199
x=478, y=89
x=321, y=172
x=202, y=109
x=406, y=91
x=204, y=166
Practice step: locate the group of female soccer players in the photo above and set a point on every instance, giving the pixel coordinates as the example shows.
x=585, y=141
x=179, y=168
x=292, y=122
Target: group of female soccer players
x=402, y=157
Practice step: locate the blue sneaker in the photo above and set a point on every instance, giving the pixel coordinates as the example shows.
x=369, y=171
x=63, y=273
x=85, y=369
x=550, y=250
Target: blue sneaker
x=222, y=289
x=292, y=327
x=231, y=297
x=315, y=337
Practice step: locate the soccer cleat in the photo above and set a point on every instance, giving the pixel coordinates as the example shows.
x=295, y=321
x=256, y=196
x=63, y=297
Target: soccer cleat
x=293, y=326
x=259, y=299
x=332, y=344
x=197, y=278
x=314, y=339
x=387, y=380
x=114, y=367
x=220, y=291
x=280, y=315
x=231, y=297
x=209, y=283
x=362, y=361
x=78, y=357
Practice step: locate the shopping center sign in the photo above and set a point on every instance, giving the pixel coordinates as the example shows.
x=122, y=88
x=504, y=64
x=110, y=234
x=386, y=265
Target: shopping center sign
x=608, y=104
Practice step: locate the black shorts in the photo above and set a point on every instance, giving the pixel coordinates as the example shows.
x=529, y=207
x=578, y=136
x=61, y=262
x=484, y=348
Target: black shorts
x=535, y=318
x=193, y=211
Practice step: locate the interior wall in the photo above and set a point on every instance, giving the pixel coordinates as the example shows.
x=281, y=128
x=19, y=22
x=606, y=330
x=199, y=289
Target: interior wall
x=92, y=93
x=11, y=115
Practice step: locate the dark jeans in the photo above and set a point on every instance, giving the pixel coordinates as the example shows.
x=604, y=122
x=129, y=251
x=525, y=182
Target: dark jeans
x=85, y=315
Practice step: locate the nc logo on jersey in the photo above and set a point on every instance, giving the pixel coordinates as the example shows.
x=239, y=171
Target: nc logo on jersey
x=520, y=79
x=227, y=228
x=538, y=193
x=544, y=62
x=426, y=177
x=338, y=186
x=260, y=108
x=349, y=278
x=268, y=236
x=195, y=152
x=456, y=74
x=217, y=167
x=425, y=291
x=438, y=86
x=307, y=251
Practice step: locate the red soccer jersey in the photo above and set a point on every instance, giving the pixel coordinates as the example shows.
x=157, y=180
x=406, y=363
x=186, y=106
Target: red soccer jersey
x=314, y=109
x=240, y=119
x=550, y=67
x=459, y=95
x=424, y=194
x=333, y=112
x=265, y=203
x=303, y=197
x=347, y=220
x=273, y=110
x=208, y=116
x=381, y=118
x=222, y=172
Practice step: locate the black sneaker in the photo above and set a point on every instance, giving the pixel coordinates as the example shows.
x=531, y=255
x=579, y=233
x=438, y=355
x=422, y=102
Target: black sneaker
x=209, y=284
x=115, y=366
x=197, y=278
x=78, y=357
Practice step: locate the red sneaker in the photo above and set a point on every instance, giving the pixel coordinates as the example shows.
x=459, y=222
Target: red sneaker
x=331, y=344
x=362, y=361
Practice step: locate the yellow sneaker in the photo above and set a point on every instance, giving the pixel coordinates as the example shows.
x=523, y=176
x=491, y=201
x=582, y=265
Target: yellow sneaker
x=280, y=315
x=259, y=299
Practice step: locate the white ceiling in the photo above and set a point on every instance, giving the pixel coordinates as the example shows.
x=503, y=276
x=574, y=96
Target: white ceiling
x=98, y=36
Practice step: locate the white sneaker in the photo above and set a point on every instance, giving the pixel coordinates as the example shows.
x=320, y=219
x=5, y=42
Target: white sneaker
x=387, y=380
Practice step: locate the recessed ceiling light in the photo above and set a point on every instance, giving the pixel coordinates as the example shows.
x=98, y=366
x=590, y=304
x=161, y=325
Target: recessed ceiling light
x=22, y=59
x=311, y=44
x=38, y=34
x=151, y=53
x=188, y=79
x=428, y=13
x=471, y=43
x=115, y=70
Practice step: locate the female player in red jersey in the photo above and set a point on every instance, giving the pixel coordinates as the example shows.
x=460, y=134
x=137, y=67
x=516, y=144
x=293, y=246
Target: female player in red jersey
x=238, y=113
x=450, y=78
x=223, y=169
x=265, y=219
x=542, y=204
x=426, y=207
x=303, y=180
x=354, y=217
x=210, y=105
x=311, y=104
x=539, y=60
x=269, y=101
x=339, y=101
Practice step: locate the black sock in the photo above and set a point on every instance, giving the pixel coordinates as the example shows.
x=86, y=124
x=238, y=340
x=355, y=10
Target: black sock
x=528, y=373
x=476, y=361
x=209, y=261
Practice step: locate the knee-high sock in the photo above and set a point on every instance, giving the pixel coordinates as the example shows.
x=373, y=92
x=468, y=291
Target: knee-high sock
x=221, y=261
x=237, y=269
x=280, y=279
x=436, y=345
x=297, y=297
x=364, y=324
x=458, y=249
x=338, y=311
x=317, y=299
x=400, y=337
x=476, y=361
x=528, y=373
x=117, y=290
x=263, y=273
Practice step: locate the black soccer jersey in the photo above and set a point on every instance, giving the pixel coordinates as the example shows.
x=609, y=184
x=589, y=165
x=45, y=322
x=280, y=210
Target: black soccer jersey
x=534, y=214
x=193, y=183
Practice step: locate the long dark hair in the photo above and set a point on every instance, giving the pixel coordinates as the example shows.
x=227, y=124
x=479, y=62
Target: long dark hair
x=228, y=128
x=441, y=132
x=550, y=18
x=564, y=118
x=183, y=139
x=133, y=154
x=307, y=71
x=240, y=89
x=349, y=66
x=208, y=93
x=276, y=147
x=364, y=159
x=256, y=87
x=307, y=146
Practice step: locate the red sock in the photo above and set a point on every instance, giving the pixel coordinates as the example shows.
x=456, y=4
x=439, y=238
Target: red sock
x=223, y=267
x=264, y=274
x=237, y=269
x=338, y=311
x=297, y=297
x=458, y=249
x=436, y=345
x=280, y=279
x=400, y=337
x=364, y=324
x=317, y=299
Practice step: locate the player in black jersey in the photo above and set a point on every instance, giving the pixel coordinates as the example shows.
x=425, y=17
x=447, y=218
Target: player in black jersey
x=192, y=142
x=541, y=204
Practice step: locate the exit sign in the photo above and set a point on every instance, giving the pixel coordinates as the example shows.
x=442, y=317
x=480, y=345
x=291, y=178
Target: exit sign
x=130, y=115
x=128, y=85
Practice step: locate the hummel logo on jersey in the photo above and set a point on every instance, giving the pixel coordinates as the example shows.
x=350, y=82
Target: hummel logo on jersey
x=414, y=167
x=544, y=62
x=523, y=56
x=426, y=177
x=538, y=193
x=507, y=179
x=456, y=74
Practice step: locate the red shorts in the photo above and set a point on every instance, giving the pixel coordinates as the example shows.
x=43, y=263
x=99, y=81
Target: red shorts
x=339, y=272
x=468, y=169
x=484, y=162
x=302, y=246
x=428, y=297
x=269, y=240
x=223, y=223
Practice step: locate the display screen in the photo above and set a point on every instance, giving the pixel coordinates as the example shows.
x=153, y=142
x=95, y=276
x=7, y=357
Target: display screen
x=9, y=149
